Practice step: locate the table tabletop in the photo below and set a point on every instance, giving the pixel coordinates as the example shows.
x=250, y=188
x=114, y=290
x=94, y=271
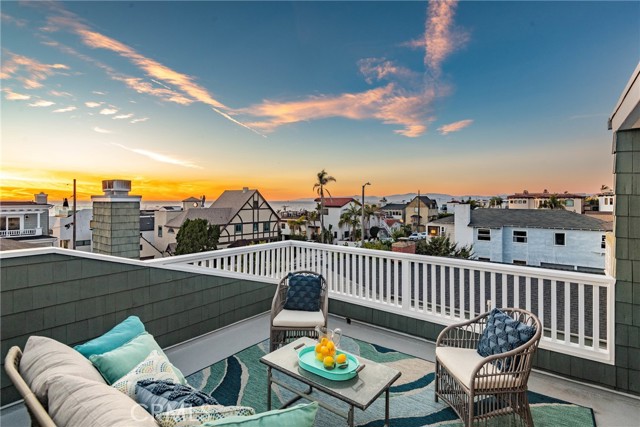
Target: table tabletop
x=360, y=391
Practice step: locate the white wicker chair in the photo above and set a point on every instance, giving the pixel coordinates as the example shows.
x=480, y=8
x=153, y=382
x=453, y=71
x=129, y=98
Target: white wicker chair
x=288, y=325
x=476, y=387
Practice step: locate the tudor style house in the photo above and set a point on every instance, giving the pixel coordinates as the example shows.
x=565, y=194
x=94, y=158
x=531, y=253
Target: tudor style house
x=244, y=217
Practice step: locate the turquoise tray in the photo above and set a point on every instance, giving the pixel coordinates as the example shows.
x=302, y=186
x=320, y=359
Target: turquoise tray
x=307, y=361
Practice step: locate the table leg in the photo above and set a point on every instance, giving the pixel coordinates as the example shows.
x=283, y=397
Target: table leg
x=386, y=407
x=350, y=416
x=269, y=388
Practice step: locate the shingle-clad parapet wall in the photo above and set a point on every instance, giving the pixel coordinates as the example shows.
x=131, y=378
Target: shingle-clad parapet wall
x=116, y=228
x=627, y=233
x=73, y=299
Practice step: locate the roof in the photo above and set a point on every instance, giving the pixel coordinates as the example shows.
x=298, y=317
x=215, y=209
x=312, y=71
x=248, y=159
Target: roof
x=15, y=203
x=449, y=219
x=336, y=202
x=546, y=195
x=426, y=201
x=219, y=216
x=391, y=221
x=11, y=244
x=191, y=199
x=233, y=199
x=394, y=207
x=535, y=218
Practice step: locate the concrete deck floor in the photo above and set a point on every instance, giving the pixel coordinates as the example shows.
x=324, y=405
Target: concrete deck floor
x=611, y=409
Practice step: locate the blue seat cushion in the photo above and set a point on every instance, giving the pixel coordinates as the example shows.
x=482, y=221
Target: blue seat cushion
x=304, y=292
x=120, y=334
x=503, y=333
x=162, y=396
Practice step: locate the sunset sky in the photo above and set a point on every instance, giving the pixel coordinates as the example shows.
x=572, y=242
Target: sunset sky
x=191, y=98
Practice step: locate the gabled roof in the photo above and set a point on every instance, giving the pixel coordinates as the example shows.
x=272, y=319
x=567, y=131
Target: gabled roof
x=336, y=202
x=234, y=199
x=535, y=218
x=394, y=207
x=218, y=216
x=426, y=201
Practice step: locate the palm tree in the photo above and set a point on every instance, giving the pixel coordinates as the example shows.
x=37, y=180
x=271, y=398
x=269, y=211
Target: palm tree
x=369, y=211
x=351, y=218
x=323, y=179
x=553, y=203
x=495, y=202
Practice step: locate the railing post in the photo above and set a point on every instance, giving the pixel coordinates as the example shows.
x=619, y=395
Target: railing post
x=405, y=285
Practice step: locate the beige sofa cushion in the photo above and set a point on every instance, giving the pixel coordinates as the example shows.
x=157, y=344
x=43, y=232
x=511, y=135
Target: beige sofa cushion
x=44, y=358
x=298, y=319
x=461, y=362
x=76, y=401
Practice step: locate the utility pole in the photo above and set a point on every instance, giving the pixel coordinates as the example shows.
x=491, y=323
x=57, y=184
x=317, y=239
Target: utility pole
x=362, y=210
x=74, y=214
x=418, y=226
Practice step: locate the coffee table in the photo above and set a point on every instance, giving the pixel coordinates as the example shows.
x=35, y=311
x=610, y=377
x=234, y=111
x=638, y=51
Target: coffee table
x=360, y=392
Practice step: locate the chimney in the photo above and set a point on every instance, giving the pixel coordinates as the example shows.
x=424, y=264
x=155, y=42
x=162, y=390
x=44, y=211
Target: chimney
x=245, y=189
x=41, y=198
x=461, y=220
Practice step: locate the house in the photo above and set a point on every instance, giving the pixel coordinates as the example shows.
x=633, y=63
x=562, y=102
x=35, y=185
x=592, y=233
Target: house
x=526, y=200
x=27, y=221
x=550, y=238
x=419, y=211
x=244, y=217
x=148, y=248
x=394, y=211
x=606, y=199
x=444, y=226
x=62, y=229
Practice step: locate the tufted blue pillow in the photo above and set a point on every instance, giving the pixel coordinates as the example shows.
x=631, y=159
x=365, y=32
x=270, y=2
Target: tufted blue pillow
x=157, y=396
x=304, y=292
x=503, y=333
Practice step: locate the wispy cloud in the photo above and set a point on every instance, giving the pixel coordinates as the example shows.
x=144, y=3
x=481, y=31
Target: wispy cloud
x=97, y=92
x=101, y=130
x=14, y=96
x=11, y=20
x=65, y=110
x=162, y=158
x=122, y=116
x=374, y=69
x=92, y=104
x=60, y=93
x=29, y=71
x=454, y=127
x=108, y=111
x=140, y=120
x=41, y=103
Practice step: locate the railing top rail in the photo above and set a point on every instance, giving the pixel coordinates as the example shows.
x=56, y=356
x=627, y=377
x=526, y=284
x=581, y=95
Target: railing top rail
x=179, y=259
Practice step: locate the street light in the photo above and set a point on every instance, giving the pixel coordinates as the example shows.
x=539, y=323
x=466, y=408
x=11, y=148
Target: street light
x=362, y=237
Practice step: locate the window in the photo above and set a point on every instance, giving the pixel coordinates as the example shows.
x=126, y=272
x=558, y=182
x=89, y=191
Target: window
x=64, y=244
x=171, y=231
x=83, y=243
x=559, y=238
x=266, y=227
x=159, y=231
x=484, y=234
x=255, y=204
x=140, y=247
x=611, y=200
x=238, y=228
x=606, y=201
x=520, y=236
x=519, y=262
x=325, y=211
x=568, y=203
x=13, y=223
x=255, y=227
x=433, y=231
x=603, y=243
x=283, y=225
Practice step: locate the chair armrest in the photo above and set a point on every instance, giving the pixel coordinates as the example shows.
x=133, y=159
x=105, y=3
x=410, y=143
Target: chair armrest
x=464, y=334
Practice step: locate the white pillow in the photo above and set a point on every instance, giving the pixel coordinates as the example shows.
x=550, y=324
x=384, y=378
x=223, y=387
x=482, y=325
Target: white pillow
x=195, y=416
x=43, y=358
x=75, y=402
x=155, y=367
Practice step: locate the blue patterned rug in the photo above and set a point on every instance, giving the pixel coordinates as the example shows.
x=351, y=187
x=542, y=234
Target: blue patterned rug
x=241, y=380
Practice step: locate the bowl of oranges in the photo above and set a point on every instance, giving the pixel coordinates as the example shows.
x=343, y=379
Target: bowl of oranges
x=326, y=360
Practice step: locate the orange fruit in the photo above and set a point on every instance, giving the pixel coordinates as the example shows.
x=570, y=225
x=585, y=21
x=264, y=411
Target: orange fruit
x=318, y=346
x=332, y=352
x=330, y=345
x=320, y=356
x=341, y=358
x=324, y=340
x=328, y=362
x=324, y=350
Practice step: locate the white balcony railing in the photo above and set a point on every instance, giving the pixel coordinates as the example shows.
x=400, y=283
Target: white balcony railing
x=576, y=309
x=19, y=233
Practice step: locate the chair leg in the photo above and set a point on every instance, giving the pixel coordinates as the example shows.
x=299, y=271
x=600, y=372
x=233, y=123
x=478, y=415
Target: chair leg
x=437, y=381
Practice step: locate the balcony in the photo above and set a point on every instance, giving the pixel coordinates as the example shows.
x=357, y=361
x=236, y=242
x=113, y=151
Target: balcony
x=396, y=300
x=21, y=233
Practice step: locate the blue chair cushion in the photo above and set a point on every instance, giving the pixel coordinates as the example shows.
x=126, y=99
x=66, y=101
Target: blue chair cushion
x=157, y=396
x=503, y=333
x=304, y=292
x=120, y=334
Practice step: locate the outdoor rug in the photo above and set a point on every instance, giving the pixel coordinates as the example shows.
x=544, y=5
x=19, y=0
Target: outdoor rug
x=242, y=380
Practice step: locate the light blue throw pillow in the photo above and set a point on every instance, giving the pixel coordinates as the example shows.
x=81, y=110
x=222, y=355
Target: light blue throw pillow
x=122, y=333
x=297, y=416
x=117, y=363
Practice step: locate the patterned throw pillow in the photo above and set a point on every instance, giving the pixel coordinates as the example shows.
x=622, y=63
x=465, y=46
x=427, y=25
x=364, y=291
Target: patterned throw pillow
x=195, y=416
x=162, y=396
x=303, y=292
x=503, y=333
x=155, y=367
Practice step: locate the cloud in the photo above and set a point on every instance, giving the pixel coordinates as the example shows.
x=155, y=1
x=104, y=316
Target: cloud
x=162, y=158
x=101, y=130
x=41, y=103
x=454, y=127
x=11, y=20
x=14, y=96
x=29, y=71
x=440, y=39
x=143, y=119
x=98, y=92
x=92, y=104
x=60, y=94
x=122, y=116
x=65, y=110
x=374, y=69
x=108, y=111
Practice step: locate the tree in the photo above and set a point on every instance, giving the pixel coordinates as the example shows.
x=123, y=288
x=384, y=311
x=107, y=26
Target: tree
x=553, y=203
x=369, y=211
x=197, y=235
x=323, y=178
x=495, y=202
x=350, y=218
x=296, y=224
x=443, y=246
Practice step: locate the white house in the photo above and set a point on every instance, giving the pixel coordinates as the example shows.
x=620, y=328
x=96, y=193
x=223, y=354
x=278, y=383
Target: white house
x=26, y=221
x=333, y=209
x=62, y=229
x=442, y=227
x=606, y=199
x=537, y=237
x=527, y=200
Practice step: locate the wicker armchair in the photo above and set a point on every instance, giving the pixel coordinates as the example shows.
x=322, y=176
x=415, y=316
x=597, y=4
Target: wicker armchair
x=481, y=388
x=288, y=325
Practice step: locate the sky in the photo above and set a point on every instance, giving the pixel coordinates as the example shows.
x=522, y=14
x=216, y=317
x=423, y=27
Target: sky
x=192, y=98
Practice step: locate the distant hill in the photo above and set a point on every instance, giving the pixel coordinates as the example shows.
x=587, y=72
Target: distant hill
x=440, y=198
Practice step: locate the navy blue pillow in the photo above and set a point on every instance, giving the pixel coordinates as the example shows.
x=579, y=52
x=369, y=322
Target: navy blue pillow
x=162, y=396
x=303, y=292
x=503, y=333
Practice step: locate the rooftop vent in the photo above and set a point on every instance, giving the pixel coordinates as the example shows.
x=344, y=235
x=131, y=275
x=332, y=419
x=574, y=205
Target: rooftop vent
x=116, y=187
x=41, y=198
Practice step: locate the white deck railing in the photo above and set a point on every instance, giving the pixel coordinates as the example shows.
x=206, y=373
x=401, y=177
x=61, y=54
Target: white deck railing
x=16, y=233
x=576, y=309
